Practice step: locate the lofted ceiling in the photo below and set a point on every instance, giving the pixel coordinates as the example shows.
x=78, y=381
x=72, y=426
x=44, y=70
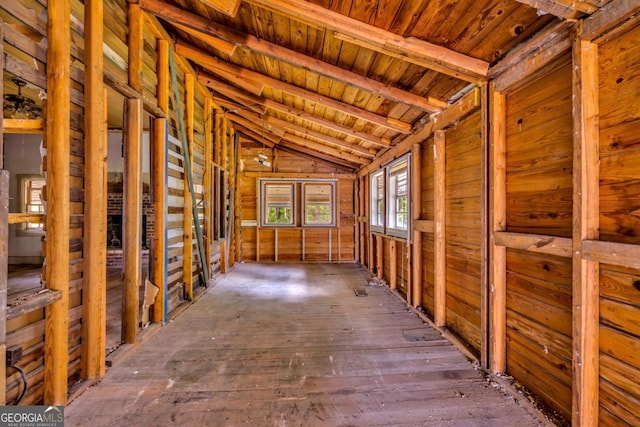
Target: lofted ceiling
x=346, y=80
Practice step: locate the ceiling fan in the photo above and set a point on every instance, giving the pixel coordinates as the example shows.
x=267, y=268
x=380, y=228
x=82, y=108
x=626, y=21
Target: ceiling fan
x=20, y=106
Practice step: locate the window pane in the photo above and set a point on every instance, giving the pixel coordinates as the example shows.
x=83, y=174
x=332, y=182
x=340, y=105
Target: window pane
x=377, y=199
x=278, y=202
x=318, y=204
x=398, y=196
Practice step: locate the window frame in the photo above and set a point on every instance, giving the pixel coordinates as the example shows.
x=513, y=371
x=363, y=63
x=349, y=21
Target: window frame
x=391, y=190
x=332, y=203
x=28, y=228
x=385, y=172
x=264, y=206
x=374, y=208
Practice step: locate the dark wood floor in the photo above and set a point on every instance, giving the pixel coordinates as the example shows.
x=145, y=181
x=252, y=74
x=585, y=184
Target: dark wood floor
x=292, y=345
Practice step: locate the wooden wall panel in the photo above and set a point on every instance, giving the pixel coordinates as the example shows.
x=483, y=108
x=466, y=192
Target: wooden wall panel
x=539, y=325
x=619, y=345
x=289, y=244
x=619, y=119
x=315, y=245
x=539, y=154
x=463, y=187
x=619, y=138
x=428, y=183
x=428, y=293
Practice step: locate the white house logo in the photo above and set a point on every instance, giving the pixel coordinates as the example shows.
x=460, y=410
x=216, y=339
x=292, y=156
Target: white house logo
x=32, y=416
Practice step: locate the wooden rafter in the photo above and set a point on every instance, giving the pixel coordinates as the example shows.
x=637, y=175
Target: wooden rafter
x=246, y=79
x=228, y=7
x=273, y=125
x=254, y=102
x=413, y=50
x=224, y=38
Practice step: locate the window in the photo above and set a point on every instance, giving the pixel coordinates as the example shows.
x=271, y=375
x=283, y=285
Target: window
x=297, y=203
x=377, y=201
x=318, y=204
x=397, y=213
x=277, y=203
x=31, y=200
x=389, y=198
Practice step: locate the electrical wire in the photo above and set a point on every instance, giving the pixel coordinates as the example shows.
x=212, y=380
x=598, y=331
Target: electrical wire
x=24, y=379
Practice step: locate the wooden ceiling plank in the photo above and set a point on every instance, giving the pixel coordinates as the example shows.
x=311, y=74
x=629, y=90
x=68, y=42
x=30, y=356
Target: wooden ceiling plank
x=208, y=29
x=413, y=50
x=242, y=77
x=250, y=101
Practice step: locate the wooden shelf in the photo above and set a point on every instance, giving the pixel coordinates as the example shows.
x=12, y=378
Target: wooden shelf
x=27, y=302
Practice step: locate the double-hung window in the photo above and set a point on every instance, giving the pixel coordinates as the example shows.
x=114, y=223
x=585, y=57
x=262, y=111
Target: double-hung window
x=377, y=201
x=398, y=196
x=318, y=204
x=278, y=203
x=389, y=198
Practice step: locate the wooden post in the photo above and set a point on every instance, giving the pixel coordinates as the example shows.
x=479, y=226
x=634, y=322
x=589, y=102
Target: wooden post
x=4, y=264
x=159, y=171
x=484, y=219
x=416, y=204
x=132, y=214
x=94, y=289
x=585, y=227
x=498, y=221
x=223, y=256
x=237, y=201
x=379, y=255
x=207, y=183
x=439, y=256
x=56, y=350
x=393, y=267
x=136, y=44
x=187, y=212
x=362, y=226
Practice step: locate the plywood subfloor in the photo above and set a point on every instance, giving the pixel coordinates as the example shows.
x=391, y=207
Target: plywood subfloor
x=293, y=345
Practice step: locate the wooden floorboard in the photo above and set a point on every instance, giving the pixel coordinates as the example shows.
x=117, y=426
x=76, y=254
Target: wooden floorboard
x=292, y=345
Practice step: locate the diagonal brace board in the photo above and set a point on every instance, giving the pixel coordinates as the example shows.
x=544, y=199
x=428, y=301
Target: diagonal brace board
x=187, y=167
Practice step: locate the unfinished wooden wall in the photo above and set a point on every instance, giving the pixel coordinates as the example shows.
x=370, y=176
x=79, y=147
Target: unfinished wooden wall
x=619, y=81
x=24, y=27
x=463, y=225
x=427, y=210
x=539, y=201
x=288, y=244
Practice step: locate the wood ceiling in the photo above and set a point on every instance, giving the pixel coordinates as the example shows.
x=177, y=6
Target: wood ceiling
x=346, y=80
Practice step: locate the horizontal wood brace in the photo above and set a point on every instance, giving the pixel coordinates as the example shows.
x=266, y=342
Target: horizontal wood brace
x=552, y=245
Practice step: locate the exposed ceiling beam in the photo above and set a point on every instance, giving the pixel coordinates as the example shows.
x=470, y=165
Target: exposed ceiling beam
x=252, y=101
x=215, y=42
x=204, y=29
x=315, y=156
x=228, y=7
x=245, y=79
x=566, y=9
x=267, y=140
x=316, y=146
x=616, y=14
x=277, y=126
x=411, y=49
